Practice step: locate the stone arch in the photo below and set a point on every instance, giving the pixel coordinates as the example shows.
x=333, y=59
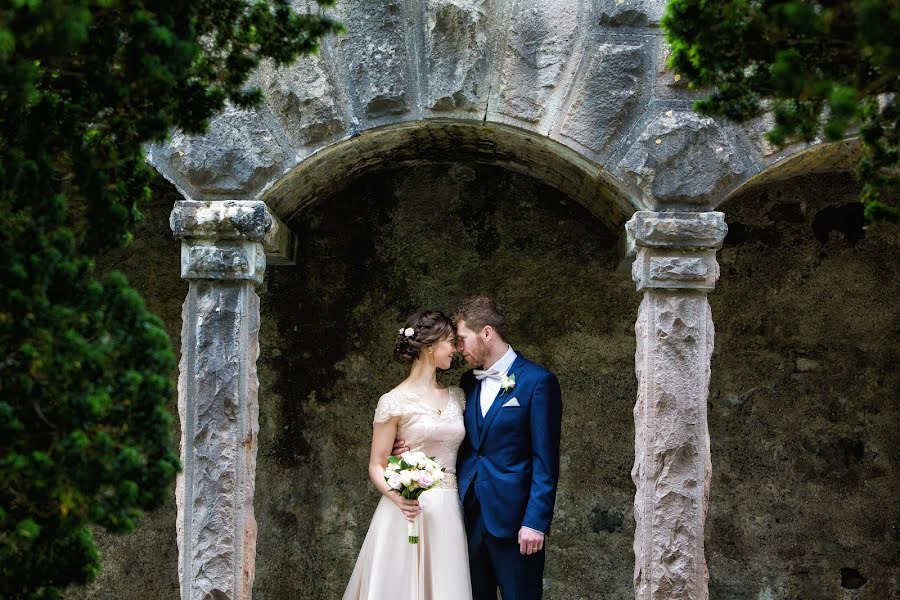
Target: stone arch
x=803, y=160
x=412, y=143
x=575, y=93
x=588, y=75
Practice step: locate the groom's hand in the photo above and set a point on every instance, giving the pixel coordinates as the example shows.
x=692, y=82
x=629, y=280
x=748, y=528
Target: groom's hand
x=530, y=541
x=399, y=448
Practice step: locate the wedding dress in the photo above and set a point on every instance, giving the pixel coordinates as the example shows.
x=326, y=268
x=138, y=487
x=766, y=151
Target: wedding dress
x=437, y=568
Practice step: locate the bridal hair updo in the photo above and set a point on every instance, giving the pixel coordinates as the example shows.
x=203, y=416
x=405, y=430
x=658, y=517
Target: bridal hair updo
x=428, y=327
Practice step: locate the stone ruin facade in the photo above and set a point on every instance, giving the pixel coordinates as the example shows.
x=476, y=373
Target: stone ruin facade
x=575, y=94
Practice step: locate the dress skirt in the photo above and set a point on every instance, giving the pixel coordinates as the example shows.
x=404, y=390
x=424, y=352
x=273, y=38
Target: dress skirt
x=437, y=568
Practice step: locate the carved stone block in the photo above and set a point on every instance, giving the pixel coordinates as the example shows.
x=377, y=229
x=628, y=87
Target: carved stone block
x=663, y=269
x=690, y=230
x=223, y=259
x=221, y=220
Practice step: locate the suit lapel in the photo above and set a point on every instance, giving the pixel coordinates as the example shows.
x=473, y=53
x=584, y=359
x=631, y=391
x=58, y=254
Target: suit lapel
x=515, y=369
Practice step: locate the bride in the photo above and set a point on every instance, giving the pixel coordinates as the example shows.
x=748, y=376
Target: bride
x=430, y=418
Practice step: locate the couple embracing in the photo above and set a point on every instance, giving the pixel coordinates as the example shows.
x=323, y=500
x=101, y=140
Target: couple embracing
x=483, y=526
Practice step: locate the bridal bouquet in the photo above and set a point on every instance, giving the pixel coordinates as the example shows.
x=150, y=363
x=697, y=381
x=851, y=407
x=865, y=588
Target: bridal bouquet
x=410, y=474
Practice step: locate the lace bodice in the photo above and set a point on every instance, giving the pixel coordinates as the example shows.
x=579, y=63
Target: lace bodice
x=436, y=433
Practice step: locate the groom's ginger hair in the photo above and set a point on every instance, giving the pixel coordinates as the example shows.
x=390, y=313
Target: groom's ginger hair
x=478, y=311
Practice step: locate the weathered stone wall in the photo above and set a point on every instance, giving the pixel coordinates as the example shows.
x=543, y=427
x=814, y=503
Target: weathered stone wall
x=803, y=413
x=802, y=406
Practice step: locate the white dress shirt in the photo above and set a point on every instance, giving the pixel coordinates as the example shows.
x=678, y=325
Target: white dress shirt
x=490, y=386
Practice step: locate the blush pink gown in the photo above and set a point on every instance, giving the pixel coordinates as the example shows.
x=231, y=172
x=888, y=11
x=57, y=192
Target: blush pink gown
x=437, y=568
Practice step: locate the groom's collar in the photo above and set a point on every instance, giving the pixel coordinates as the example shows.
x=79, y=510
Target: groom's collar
x=504, y=362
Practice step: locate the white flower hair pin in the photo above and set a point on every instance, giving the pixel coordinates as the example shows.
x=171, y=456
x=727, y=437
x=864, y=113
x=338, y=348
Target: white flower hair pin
x=408, y=332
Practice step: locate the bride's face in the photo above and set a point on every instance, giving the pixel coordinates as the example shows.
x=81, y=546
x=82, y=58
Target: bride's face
x=443, y=352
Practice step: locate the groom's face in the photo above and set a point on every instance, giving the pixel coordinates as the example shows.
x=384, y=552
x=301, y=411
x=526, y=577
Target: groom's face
x=470, y=344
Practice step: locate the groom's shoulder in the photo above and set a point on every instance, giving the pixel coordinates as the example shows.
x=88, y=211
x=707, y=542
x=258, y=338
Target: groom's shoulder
x=467, y=379
x=535, y=369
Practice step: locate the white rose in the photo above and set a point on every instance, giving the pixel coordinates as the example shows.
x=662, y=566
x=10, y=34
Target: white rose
x=405, y=478
x=414, y=474
x=394, y=483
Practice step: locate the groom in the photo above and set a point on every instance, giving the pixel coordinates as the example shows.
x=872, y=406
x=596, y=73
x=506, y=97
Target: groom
x=508, y=463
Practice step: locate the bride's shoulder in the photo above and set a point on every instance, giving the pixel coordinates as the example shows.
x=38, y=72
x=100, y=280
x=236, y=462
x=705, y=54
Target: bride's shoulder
x=390, y=404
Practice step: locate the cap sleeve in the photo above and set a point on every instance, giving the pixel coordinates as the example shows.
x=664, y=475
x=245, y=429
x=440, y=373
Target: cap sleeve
x=460, y=398
x=388, y=406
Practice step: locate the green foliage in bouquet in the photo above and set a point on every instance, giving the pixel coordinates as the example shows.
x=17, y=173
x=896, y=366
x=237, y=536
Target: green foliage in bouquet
x=85, y=371
x=825, y=67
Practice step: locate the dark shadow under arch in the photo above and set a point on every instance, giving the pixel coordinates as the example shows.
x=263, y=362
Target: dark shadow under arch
x=409, y=144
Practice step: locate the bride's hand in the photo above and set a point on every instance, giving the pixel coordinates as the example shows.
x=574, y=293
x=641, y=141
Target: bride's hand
x=399, y=447
x=409, y=508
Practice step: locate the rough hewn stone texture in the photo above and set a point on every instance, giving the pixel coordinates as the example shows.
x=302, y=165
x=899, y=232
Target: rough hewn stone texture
x=456, y=47
x=582, y=73
x=672, y=467
x=305, y=100
x=540, y=43
x=681, y=158
x=237, y=158
x=629, y=13
x=606, y=99
x=684, y=230
x=223, y=259
x=219, y=410
x=668, y=82
x=223, y=220
x=375, y=53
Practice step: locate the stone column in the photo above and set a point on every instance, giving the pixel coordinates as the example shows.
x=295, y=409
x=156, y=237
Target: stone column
x=675, y=268
x=222, y=256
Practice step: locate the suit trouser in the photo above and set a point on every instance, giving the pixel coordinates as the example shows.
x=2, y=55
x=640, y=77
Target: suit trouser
x=496, y=562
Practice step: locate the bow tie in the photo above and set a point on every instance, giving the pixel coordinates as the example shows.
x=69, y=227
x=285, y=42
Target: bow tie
x=487, y=373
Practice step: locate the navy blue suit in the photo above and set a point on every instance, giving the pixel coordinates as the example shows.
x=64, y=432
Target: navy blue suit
x=507, y=469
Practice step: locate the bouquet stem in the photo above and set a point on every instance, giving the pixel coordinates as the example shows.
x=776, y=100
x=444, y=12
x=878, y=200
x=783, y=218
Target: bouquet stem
x=412, y=529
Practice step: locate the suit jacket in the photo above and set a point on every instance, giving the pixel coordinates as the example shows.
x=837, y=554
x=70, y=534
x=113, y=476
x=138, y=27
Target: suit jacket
x=513, y=463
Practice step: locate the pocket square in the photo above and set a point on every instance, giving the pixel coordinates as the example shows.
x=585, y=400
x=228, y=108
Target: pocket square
x=510, y=402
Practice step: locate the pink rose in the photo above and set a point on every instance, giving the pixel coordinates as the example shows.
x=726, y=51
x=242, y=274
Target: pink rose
x=425, y=479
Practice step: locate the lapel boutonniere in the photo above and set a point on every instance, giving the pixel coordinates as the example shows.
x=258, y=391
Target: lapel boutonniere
x=507, y=384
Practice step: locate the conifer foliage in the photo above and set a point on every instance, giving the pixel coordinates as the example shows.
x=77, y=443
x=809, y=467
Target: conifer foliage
x=85, y=370
x=821, y=67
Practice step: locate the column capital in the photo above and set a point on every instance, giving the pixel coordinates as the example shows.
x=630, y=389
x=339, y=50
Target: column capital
x=247, y=220
x=676, y=250
x=677, y=230
x=229, y=240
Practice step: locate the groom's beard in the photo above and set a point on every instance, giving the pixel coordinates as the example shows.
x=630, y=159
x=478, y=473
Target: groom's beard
x=478, y=356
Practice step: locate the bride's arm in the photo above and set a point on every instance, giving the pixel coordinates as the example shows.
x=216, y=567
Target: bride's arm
x=383, y=435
